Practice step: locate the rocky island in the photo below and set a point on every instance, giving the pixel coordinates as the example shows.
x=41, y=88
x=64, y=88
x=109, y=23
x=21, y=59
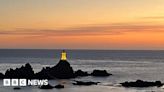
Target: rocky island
x=62, y=70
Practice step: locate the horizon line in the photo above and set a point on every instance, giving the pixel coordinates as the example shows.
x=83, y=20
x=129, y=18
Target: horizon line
x=81, y=49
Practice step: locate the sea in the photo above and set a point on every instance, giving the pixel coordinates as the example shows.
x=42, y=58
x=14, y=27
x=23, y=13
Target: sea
x=125, y=65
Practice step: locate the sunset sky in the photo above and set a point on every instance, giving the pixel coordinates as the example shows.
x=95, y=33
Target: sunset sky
x=82, y=24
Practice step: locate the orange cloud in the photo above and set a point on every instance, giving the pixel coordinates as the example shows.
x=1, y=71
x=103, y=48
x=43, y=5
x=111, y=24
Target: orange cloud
x=92, y=30
x=103, y=36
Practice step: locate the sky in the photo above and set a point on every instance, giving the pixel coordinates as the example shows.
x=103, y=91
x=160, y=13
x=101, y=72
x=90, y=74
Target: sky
x=82, y=24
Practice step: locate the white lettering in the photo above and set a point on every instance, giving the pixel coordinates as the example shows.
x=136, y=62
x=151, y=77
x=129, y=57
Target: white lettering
x=24, y=82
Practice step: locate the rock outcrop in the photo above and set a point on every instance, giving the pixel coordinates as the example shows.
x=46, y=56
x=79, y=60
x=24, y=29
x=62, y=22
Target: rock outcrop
x=44, y=74
x=16, y=88
x=100, y=73
x=62, y=70
x=81, y=73
x=23, y=72
x=85, y=83
x=2, y=75
x=46, y=87
x=141, y=83
x=59, y=86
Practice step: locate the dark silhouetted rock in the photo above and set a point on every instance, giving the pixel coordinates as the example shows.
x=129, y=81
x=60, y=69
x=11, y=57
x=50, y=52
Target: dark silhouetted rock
x=1, y=76
x=62, y=70
x=23, y=72
x=85, y=83
x=44, y=74
x=59, y=86
x=81, y=73
x=46, y=87
x=16, y=88
x=141, y=83
x=100, y=73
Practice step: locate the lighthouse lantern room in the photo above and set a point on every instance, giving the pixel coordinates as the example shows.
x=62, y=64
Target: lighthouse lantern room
x=63, y=55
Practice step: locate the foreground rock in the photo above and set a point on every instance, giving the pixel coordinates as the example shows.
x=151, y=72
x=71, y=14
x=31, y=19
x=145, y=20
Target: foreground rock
x=100, y=73
x=85, y=83
x=141, y=83
x=16, y=88
x=46, y=87
x=81, y=73
x=59, y=86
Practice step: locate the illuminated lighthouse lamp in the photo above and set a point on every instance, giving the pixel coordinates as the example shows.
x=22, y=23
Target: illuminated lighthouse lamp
x=63, y=56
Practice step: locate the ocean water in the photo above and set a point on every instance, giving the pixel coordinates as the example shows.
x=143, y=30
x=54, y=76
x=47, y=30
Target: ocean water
x=125, y=65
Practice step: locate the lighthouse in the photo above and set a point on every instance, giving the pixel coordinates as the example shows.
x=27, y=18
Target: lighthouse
x=63, y=55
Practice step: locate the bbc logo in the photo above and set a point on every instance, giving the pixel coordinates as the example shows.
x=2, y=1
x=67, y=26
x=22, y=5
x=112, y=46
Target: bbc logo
x=14, y=82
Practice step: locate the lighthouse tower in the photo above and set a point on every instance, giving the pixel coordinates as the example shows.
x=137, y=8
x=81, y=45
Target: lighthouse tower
x=63, y=55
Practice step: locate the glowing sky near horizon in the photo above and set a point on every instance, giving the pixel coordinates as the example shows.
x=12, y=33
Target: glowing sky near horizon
x=82, y=24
